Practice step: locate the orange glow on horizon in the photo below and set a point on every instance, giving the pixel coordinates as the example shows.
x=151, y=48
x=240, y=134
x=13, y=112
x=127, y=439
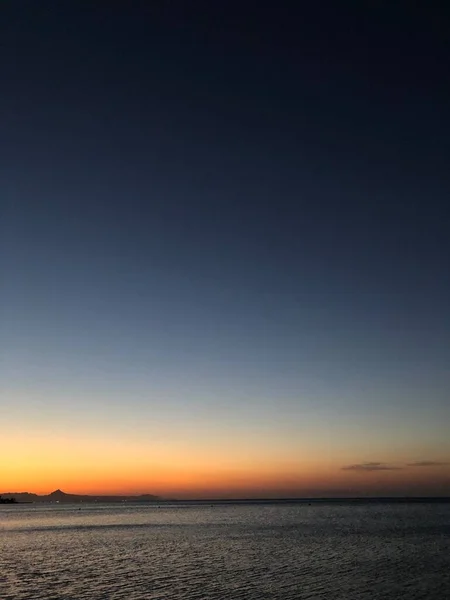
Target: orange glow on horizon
x=198, y=482
x=94, y=465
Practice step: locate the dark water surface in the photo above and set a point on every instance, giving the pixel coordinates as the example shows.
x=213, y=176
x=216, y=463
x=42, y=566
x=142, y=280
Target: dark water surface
x=266, y=551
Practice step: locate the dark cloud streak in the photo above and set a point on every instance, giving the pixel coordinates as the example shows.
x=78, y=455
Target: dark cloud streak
x=371, y=466
x=427, y=463
x=380, y=466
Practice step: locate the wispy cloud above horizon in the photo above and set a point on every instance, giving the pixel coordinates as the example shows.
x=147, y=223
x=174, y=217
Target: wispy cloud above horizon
x=371, y=466
x=383, y=466
x=428, y=463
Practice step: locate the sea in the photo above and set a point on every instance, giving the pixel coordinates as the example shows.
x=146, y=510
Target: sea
x=252, y=551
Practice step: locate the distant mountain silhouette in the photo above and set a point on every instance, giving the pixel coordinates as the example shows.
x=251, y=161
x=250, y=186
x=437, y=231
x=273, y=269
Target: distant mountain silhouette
x=58, y=496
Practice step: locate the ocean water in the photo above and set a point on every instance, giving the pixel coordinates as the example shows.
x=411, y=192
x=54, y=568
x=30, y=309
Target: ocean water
x=226, y=552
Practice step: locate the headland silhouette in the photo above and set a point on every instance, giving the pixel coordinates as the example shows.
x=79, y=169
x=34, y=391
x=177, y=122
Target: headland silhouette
x=61, y=497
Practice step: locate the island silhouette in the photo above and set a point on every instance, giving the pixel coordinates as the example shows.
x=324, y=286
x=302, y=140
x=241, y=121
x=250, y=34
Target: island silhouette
x=60, y=497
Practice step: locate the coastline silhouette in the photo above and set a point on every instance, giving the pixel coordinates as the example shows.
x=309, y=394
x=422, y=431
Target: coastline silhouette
x=60, y=497
x=10, y=500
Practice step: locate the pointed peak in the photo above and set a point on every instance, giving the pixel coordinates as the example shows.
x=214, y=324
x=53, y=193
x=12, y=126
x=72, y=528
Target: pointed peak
x=58, y=492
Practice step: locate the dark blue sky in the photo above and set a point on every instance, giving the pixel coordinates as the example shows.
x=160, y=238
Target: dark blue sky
x=251, y=203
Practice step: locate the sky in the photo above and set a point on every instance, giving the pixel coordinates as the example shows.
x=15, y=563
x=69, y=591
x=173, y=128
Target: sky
x=224, y=243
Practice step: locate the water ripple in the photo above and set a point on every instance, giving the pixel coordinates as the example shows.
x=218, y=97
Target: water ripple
x=229, y=552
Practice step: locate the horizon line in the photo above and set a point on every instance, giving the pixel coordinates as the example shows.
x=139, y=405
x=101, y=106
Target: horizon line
x=242, y=498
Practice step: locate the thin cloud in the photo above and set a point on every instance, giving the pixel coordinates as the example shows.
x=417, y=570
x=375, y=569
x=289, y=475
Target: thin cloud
x=427, y=463
x=380, y=466
x=371, y=466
